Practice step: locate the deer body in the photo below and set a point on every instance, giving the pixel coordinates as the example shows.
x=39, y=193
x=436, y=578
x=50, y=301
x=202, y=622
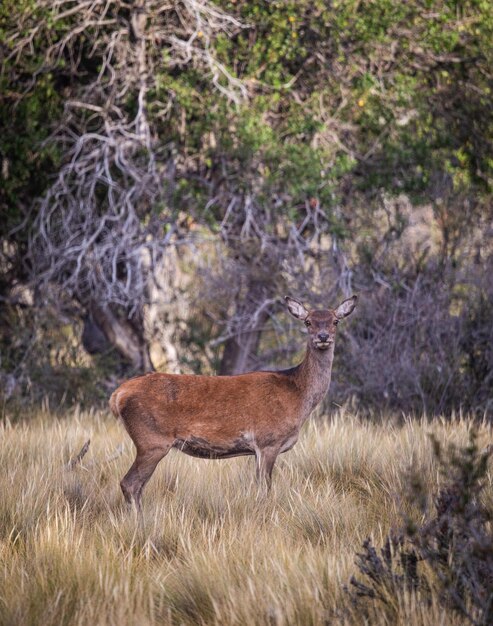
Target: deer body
x=217, y=417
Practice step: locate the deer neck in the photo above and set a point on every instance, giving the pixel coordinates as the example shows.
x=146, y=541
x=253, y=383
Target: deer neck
x=313, y=376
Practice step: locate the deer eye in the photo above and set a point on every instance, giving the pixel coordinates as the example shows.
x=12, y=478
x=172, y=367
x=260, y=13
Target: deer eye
x=308, y=323
x=336, y=322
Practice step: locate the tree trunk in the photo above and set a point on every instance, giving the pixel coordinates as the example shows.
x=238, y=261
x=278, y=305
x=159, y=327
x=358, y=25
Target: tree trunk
x=126, y=337
x=240, y=351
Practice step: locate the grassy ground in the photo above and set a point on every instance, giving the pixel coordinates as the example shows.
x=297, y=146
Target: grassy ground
x=213, y=550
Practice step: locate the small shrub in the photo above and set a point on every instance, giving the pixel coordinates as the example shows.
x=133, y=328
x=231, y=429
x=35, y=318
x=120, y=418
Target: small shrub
x=448, y=555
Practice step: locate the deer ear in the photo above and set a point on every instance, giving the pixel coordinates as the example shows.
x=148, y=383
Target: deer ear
x=346, y=307
x=296, y=308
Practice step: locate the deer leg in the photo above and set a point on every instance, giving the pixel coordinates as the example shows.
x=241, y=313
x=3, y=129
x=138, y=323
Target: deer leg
x=142, y=469
x=266, y=457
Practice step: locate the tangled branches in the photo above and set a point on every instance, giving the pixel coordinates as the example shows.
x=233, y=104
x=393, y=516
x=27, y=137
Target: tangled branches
x=100, y=230
x=265, y=253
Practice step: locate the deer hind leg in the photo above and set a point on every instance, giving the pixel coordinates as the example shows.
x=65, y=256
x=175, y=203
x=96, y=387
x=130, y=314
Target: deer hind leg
x=266, y=457
x=142, y=469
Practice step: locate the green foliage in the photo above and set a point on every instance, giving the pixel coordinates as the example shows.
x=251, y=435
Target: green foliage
x=26, y=121
x=405, y=86
x=412, y=80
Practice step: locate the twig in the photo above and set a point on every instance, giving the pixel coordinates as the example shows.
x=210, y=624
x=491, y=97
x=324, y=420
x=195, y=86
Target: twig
x=78, y=458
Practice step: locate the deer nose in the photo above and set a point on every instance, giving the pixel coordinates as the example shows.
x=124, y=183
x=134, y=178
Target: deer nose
x=323, y=337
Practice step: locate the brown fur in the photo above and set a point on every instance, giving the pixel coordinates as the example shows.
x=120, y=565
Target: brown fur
x=217, y=417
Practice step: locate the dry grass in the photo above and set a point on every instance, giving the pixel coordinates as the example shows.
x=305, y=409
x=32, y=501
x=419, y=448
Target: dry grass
x=213, y=550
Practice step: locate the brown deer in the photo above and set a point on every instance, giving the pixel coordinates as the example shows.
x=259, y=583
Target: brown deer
x=219, y=417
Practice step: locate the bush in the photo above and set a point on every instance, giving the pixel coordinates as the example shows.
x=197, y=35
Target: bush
x=449, y=554
x=427, y=347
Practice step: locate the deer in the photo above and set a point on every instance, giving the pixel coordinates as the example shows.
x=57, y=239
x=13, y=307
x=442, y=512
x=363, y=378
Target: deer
x=258, y=413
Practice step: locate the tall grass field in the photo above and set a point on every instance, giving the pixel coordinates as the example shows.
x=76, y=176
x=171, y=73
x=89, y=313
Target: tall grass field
x=212, y=548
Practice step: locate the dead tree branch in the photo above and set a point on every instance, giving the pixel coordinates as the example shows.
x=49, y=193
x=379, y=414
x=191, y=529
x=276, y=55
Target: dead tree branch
x=96, y=234
x=74, y=461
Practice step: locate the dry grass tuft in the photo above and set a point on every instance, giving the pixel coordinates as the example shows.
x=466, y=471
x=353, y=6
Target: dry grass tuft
x=213, y=551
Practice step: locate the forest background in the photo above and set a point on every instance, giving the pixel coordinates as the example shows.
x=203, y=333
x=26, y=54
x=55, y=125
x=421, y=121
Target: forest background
x=171, y=170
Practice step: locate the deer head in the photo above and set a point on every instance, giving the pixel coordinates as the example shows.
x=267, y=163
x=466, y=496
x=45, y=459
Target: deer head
x=322, y=324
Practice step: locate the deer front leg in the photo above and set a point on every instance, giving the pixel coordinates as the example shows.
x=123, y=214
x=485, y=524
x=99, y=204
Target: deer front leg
x=266, y=457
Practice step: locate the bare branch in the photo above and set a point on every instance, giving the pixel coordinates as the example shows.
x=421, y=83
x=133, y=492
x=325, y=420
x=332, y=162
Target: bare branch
x=78, y=457
x=102, y=228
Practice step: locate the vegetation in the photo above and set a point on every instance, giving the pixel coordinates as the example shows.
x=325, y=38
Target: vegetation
x=169, y=173
x=452, y=539
x=215, y=552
